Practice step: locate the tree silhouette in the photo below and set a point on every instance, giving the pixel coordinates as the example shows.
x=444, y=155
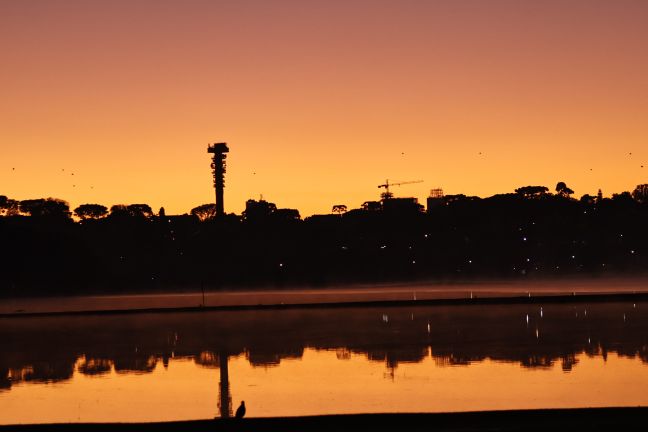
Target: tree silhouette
x=532, y=191
x=8, y=206
x=588, y=199
x=339, y=209
x=131, y=210
x=623, y=197
x=140, y=210
x=204, y=211
x=119, y=210
x=258, y=210
x=563, y=190
x=91, y=211
x=640, y=194
x=42, y=207
x=287, y=214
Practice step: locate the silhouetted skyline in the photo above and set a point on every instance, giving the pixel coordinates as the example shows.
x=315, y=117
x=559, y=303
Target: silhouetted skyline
x=526, y=234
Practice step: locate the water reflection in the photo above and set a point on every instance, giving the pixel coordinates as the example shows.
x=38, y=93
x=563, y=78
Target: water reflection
x=46, y=349
x=535, y=337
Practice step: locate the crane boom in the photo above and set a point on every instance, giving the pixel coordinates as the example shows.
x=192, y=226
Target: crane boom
x=387, y=194
x=387, y=184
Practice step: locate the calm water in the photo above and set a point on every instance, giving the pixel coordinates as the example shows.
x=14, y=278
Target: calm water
x=298, y=362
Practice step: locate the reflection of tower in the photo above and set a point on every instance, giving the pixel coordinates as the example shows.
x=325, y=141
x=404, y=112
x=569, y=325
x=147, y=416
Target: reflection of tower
x=224, y=395
x=218, y=171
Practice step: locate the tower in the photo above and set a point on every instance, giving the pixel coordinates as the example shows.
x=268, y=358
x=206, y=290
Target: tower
x=224, y=394
x=218, y=171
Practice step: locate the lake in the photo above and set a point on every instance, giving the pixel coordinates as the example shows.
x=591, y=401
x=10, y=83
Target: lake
x=196, y=365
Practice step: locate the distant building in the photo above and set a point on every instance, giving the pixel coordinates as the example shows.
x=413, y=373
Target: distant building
x=263, y=210
x=258, y=210
x=401, y=205
x=372, y=206
x=287, y=214
x=435, y=199
x=323, y=219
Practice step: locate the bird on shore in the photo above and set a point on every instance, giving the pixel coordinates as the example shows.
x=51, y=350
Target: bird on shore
x=240, y=411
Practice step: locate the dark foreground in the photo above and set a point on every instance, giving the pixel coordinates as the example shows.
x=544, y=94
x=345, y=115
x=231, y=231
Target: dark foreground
x=530, y=420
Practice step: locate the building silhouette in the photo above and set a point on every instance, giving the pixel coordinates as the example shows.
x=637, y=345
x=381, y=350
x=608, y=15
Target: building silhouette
x=218, y=171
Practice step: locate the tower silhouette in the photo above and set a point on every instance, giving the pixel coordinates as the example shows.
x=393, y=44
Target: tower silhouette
x=218, y=171
x=224, y=394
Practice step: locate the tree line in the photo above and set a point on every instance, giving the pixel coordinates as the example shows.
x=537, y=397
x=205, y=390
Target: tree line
x=529, y=233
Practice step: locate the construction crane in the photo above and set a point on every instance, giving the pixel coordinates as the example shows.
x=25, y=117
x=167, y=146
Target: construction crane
x=387, y=194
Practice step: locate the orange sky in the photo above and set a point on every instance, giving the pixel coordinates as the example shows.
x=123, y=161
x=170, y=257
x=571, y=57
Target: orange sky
x=319, y=101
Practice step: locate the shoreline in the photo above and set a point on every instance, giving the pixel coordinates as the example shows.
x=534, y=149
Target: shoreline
x=451, y=301
x=533, y=420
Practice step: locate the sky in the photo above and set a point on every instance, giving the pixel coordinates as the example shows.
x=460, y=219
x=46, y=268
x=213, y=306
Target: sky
x=115, y=102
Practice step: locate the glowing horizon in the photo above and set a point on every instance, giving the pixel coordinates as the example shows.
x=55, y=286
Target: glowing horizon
x=319, y=102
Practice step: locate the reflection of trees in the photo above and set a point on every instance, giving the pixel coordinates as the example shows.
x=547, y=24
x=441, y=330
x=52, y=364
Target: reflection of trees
x=270, y=358
x=90, y=366
x=343, y=354
x=46, y=349
x=207, y=359
x=5, y=382
x=42, y=371
x=136, y=364
x=393, y=356
x=536, y=361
